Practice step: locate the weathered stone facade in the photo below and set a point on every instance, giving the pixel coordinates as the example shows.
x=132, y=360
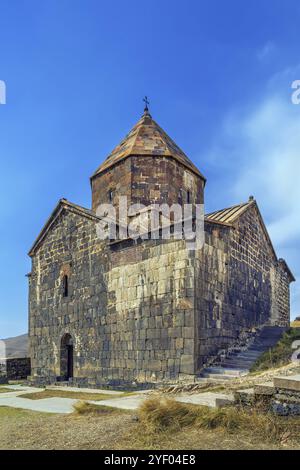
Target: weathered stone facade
x=18, y=368
x=241, y=284
x=147, y=311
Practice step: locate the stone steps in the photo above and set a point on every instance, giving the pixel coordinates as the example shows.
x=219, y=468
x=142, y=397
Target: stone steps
x=221, y=370
x=242, y=360
x=218, y=376
x=249, y=354
x=238, y=364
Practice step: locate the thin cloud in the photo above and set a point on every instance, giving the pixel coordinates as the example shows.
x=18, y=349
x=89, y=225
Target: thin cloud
x=261, y=148
x=271, y=146
x=266, y=51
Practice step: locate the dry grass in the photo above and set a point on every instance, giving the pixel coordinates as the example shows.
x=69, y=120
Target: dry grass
x=159, y=415
x=163, y=418
x=23, y=429
x=49, y=393
x=84, y=408
x=5, y=390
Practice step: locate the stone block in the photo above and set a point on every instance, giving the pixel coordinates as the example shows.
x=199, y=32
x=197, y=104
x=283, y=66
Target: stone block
x=174, y=332
x=291, y=382
x=178, y=319
x=189, y=346
x=179, y=343
x=264, y=389
x=187, y=365
x=188, y=332
x=153, y=365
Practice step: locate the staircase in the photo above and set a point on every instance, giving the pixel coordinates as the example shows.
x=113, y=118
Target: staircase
x=240, y=361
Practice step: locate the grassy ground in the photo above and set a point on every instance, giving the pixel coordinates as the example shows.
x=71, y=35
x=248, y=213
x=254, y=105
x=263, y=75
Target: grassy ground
x=22, y=429
x=67, y=394
x=162, y=424
x=4, y=390
x=279, y=355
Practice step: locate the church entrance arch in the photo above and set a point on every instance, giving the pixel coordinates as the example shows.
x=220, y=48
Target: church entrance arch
x=66, y=357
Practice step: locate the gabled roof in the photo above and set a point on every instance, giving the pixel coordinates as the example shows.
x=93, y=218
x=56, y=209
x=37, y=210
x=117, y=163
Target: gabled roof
x=62, y=205
x=229, y=215
x=147, y=138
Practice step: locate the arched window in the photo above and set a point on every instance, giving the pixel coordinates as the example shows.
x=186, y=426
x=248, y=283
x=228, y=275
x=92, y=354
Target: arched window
x=110, y=195
x=65, y=286
x=188, y=197
x=180, y=196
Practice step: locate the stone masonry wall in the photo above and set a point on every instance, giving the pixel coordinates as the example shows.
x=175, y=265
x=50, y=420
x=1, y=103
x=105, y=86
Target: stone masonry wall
x=18, y=368
x=281, y=303
x=146, y=180
x=70, y=248
x=130, y=312
x=236, y=290
x=148, y=312
x=211, y=299
x=151, y=179
x=117, y=179
x=151, y=307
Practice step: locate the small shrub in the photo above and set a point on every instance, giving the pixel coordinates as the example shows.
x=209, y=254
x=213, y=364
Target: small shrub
x=160, y=414
x=280, y=354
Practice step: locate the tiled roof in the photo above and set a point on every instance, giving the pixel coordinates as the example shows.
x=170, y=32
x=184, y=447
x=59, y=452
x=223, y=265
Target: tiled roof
x=230, y=214
x=147, y=138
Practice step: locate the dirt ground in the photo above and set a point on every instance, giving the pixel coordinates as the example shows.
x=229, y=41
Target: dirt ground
x=20, y=429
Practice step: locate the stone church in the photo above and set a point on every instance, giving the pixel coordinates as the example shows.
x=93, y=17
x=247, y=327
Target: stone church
x=118, y=312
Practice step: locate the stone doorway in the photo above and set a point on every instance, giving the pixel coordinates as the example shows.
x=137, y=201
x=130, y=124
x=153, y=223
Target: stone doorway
x=66, y=357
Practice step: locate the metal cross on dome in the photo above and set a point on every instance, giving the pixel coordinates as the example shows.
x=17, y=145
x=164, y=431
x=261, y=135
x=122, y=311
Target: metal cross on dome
x=146, y=101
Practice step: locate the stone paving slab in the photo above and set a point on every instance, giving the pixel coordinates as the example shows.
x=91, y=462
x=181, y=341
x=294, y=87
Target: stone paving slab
x=131, y=402
x=24, y=388
x=205, y=399
x=15, y=392
x=45, y=405
x=291, y=382
x=213, y=400
x=84, y=390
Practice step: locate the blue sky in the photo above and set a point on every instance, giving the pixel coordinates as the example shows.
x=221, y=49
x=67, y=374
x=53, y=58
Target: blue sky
x=218, y=75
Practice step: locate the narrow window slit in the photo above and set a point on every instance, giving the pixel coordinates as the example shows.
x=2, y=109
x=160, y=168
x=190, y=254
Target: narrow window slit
x=65, y=286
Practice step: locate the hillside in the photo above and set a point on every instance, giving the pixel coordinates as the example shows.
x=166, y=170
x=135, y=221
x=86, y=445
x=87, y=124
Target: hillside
x=17, y=346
